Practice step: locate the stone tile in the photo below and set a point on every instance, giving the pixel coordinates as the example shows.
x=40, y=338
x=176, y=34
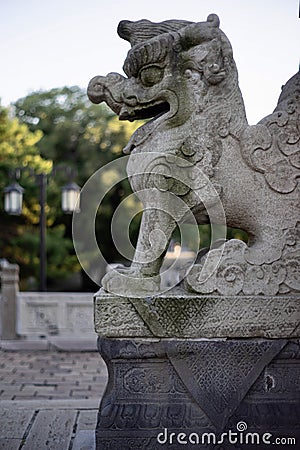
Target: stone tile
x=51, y=430
x=13, y=423
x=18, y=345
x=84, y=440
x=56, y=374
x=10, y=444
x=87, y=420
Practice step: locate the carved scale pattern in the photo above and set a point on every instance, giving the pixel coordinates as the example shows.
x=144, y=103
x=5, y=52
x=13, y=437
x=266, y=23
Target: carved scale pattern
x=219, y=374
x=195, y=316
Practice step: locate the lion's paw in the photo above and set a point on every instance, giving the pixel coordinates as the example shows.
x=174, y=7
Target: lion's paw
x=124, y=282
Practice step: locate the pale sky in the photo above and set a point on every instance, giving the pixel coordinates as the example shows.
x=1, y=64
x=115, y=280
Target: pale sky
x=47, y=44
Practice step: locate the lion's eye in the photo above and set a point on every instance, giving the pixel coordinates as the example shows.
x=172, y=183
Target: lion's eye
x=151, y=75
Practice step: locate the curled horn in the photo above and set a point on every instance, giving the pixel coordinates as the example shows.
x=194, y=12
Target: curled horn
x=194, y=34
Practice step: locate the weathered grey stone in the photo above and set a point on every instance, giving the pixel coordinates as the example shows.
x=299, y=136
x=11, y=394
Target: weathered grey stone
x=50, y=314
x=52, y=429
x=200, y=147
x=195, y=316
x=9, y=274
x=116, y=317
x=8, y=420
x=215, y=354
x=84, y=440
x=191, y=386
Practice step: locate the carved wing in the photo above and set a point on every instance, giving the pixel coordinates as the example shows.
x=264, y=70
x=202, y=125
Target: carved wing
x=273, y=146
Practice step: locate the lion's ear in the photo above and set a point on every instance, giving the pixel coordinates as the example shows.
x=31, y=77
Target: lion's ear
x=213, y=20
x=197, y=33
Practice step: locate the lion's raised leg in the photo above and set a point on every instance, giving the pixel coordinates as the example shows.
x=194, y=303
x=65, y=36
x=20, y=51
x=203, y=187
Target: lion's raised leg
x=142, y=277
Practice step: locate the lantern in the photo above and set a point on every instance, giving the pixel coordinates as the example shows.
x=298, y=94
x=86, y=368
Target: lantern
x=70, y=198
x=13, y=199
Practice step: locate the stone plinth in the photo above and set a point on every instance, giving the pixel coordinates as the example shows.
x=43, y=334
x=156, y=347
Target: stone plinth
x=226, y=358
x=196, y=365
x=184, y=315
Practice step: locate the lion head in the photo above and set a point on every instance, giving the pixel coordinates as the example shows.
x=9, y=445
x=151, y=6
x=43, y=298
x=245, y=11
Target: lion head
x=175, y=70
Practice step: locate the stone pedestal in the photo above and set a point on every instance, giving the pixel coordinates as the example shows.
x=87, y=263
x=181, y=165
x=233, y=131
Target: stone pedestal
x=180, y=374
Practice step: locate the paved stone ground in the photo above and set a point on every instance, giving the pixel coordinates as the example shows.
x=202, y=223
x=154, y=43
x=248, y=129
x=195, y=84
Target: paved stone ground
x=49, y=399
x=51, y=375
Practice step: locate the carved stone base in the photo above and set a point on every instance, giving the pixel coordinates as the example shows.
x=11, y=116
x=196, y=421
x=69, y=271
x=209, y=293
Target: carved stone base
x=196, y=316
x=159, y=388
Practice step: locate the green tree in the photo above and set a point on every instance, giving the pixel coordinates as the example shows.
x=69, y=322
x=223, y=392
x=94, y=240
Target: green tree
x=18, y=145
x=84, y=137
x=19, y=235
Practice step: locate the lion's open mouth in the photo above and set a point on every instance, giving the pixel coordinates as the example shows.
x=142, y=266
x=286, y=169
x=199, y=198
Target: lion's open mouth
x=145, y=112
x=157, y=112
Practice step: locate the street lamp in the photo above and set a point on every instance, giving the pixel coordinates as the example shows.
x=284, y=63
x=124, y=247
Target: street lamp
x=70, y=195
x=13, y=198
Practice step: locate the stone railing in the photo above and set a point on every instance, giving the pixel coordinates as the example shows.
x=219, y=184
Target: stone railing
x=41, y=314
x=9, y=275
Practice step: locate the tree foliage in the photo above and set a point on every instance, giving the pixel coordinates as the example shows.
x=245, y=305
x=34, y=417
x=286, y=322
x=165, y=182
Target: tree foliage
x=76, y=132
x=18, y=145
x=19, y=235
x=61, y=128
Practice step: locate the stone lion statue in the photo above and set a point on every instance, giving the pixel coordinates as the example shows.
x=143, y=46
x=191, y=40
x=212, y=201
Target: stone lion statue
x=198, y=147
